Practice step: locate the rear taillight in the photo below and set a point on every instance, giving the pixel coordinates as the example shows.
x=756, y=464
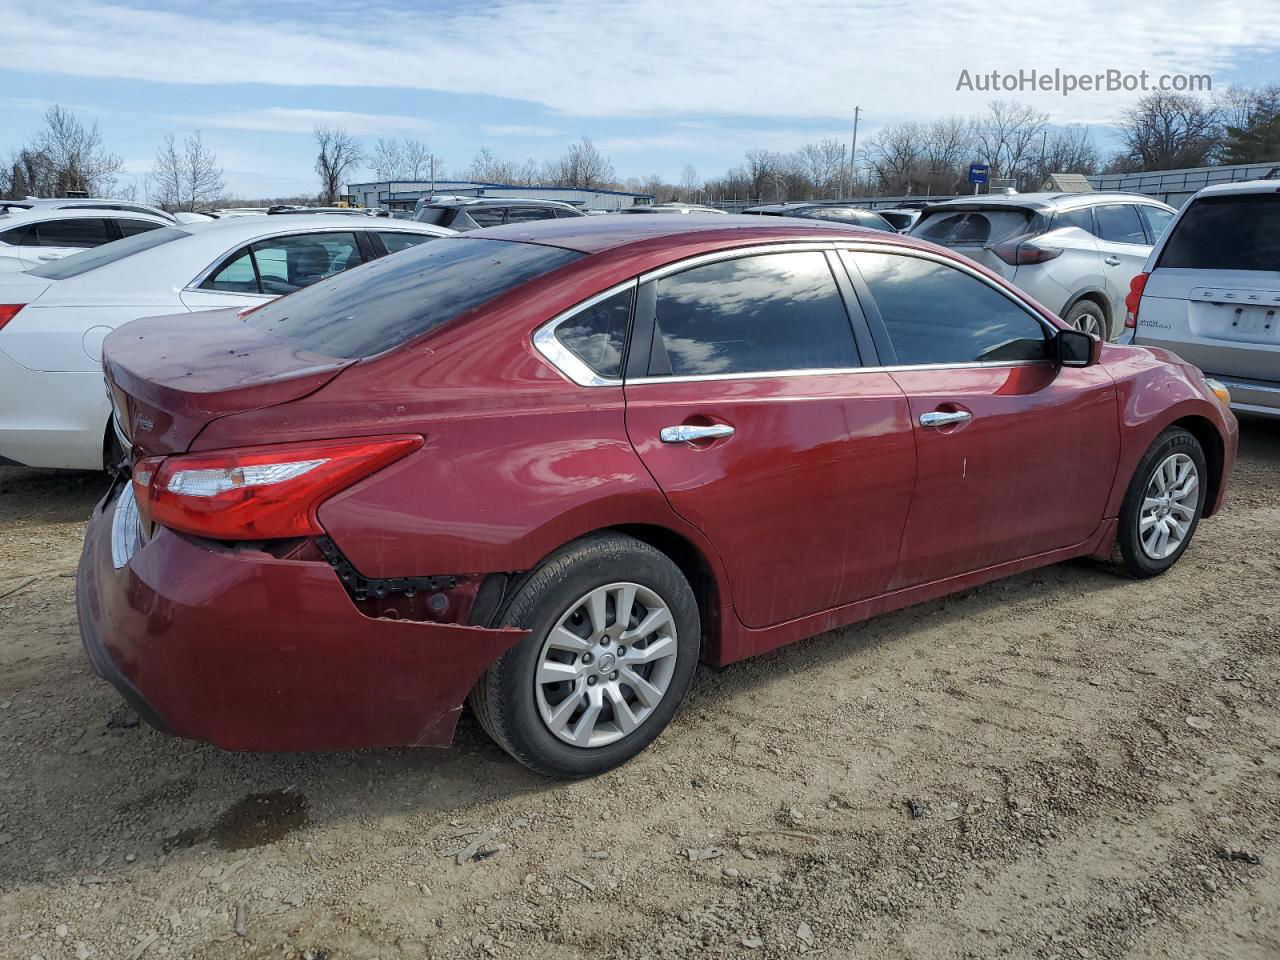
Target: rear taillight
x=8, y=311
x=258, y=493
x=1134, y=299
x=1021, y=252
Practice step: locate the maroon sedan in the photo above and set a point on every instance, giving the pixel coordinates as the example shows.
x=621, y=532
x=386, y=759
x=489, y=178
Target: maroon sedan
x=550, y=468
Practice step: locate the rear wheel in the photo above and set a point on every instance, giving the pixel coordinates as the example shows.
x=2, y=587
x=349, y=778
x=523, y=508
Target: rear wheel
x=612, y=648
x=1087, y=317
x=1163, y=505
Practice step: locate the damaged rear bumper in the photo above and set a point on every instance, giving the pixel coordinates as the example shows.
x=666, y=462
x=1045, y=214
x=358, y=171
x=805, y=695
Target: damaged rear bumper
x=250, y=652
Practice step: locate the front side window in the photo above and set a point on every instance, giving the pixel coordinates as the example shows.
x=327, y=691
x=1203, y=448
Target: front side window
x=1119, y=223
x=597, y=334
x=1227, y=232
x=71, y=232
x=754, y=314
x=395, y=299
x=934, y=313
x=1157, y=220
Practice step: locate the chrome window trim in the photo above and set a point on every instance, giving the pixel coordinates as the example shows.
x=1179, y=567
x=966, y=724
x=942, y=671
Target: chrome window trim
x=839, y=371
x=565, y=360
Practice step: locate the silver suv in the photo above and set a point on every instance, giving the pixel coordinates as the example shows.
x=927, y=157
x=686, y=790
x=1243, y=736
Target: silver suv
x=1074, y=252
x=1211, y=291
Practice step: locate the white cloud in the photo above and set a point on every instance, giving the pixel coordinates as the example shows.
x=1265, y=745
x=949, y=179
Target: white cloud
x=718, y=57
x=290, y=120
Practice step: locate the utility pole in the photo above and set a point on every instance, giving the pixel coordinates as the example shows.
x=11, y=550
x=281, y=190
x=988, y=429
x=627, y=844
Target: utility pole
x=853, y=152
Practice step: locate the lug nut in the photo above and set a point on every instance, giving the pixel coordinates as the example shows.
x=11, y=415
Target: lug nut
x=587, y=658
x=622, y=651
x=591, y=681
x=614, y=675
x=604, y=641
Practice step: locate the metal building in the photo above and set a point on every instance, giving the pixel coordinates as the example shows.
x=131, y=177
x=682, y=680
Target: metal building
x=399, y=196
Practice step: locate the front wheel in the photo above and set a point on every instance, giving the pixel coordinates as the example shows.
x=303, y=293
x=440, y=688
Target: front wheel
x=1162, y=506
x=1087, y=317
x=612, y=648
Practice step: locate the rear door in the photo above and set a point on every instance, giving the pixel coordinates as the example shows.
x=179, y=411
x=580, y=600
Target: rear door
x=1213, y=296
x=1123, y=243
x=747, y=401
x=1015, y=453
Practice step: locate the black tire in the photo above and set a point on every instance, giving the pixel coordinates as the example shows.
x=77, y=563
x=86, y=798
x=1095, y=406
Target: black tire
x=504, y=700
x=1129, y=557
x=1088, y=316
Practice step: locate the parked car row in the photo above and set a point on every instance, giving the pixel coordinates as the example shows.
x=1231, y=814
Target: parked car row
x=546, y=468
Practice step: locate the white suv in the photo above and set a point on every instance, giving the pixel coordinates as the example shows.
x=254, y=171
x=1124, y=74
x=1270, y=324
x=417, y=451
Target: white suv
x=1073, y=252
x=33, y=232
x=1210, y=291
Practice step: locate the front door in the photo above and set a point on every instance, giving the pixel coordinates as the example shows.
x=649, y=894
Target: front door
x=752, y=413
x=1015, y=453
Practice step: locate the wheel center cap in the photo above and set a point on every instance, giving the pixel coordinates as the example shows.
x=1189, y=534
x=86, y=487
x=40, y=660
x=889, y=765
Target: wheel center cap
x=606, y=662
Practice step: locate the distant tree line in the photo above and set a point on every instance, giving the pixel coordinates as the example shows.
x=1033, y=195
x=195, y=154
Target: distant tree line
x=1161, y=131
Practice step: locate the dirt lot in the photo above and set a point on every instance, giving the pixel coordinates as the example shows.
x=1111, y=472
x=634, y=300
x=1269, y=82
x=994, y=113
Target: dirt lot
x=1078, y=751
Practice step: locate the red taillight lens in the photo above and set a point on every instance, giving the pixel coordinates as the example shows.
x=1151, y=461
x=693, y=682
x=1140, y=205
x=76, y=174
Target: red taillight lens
x=1131, y=302
x=258, y=493
x=8, y=311
x=1020, y=252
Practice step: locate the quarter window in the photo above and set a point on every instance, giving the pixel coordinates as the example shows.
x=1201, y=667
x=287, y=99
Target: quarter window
x=597, y=334
x=397, y=240
x=754, y=314
x=938, y=314
x=129, y=228
x=1081, y=217
x=1119, y=223
x=1157, y=219
x=235, y=276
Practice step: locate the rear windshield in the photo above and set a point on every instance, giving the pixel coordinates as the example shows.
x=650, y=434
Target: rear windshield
x=389, y=302
x=958, y=229
x=435, y=216
x=1233, y=232
x=78, y=263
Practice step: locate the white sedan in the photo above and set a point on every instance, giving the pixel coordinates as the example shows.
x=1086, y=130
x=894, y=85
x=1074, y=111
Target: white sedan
x=54, y=411
x=35, y=232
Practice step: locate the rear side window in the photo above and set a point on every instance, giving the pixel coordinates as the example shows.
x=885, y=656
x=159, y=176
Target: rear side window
x=962, y=229
x=72, y=232
x=1120, y=223
x=395, y=299
x=397, y=240
x=770, y=312
x=938, y=314
x=567, y=212
x=523, y=214
x=487, y=216
x=597, y=334
x=1082, y=218
x=107, y=254
x=1232, y=232
x=13, y=237
x=286, y=264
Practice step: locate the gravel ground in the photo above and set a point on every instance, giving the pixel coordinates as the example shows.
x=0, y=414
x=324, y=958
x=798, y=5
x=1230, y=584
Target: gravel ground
x=1051, y=766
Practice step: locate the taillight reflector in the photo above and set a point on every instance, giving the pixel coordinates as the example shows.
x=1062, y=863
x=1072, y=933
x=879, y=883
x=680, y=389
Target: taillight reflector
x=1021, y=252
x=8, y=311
x=1134, y=299
x=258, y=493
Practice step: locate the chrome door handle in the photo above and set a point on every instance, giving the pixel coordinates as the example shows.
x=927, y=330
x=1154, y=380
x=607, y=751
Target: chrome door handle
x=940, y=419
x=686, y=432
x=1112, y=261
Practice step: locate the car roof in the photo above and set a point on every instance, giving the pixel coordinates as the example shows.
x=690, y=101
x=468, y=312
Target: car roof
x=1038, y=201
x=1243, y=186
x=494, y=201
x=598, y=234
x=18, y=215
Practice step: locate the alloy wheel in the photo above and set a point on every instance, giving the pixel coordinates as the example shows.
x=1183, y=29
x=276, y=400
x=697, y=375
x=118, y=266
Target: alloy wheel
x=1169, y=506
x=606, y=664
x=1088, y=323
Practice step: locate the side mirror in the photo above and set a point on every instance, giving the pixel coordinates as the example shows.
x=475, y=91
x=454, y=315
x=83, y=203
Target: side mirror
x=1078, y=349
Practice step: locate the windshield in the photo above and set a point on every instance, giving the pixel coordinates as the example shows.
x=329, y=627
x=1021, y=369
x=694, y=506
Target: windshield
x=391, y=301
x=1233, y=232
x=78, y=263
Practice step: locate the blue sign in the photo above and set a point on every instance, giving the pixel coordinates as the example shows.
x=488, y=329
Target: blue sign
x=979, y=172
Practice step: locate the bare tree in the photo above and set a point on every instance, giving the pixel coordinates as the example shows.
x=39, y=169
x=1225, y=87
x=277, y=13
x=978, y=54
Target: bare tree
x=487, y=168
x=1164, y=131
x=582, y=166
x=762, y=172
x=65, y=156
x=186, y=179
x=821, y=164
x=387, y=160
x=1069, y=150
x=405, y=159
x=338, y=152
x=896, y=155
x=1008, y=137
x=690, y=184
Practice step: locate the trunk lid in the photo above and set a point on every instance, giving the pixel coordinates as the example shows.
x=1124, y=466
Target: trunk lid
x=169, y=377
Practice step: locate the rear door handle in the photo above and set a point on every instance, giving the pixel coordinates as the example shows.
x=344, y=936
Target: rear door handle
x=1112, y=261
x=939, y=418
x=687, y=432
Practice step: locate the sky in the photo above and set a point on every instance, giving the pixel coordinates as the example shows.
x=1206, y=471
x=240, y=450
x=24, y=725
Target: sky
x=656, y=85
